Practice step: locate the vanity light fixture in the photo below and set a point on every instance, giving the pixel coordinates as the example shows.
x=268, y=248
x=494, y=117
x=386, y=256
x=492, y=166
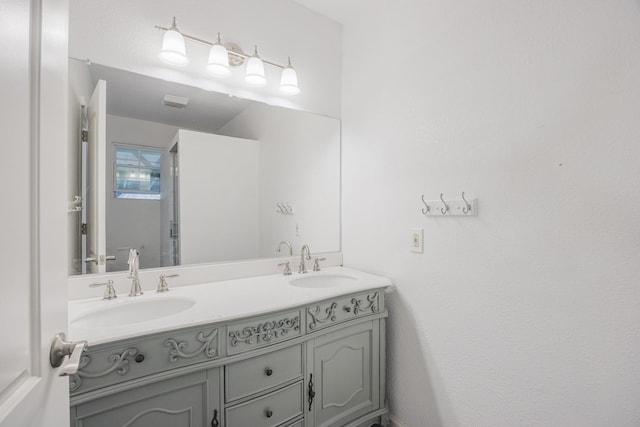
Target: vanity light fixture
x=255, y=70
x=173, y=51
x=219, y=59
x=224, y=56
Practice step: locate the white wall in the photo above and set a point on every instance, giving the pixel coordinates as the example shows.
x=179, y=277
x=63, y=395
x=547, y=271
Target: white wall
x=219, y=190
x=528, y=315
x=133, y=223
x=121, y=34
x=299, y=164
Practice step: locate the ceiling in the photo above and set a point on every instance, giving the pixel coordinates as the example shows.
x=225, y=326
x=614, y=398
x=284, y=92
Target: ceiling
x=342, y=11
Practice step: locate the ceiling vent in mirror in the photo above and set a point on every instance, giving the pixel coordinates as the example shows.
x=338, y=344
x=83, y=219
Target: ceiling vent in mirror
x=223, y=56
x=175, y=101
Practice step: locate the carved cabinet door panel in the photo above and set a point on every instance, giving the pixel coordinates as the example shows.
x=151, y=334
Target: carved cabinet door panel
x=186, y=401
x=343, y=376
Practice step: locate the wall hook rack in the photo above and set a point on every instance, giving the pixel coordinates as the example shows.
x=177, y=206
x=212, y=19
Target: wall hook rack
x=462, y=207
x=284, y=208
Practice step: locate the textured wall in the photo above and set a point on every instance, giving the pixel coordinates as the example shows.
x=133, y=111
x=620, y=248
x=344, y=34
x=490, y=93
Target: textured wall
x=528, y=315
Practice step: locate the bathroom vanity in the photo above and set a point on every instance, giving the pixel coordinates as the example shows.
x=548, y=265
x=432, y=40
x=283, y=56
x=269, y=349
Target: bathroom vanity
x=302, y=350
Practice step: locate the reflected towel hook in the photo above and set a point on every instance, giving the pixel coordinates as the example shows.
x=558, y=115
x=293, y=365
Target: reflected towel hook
x=446, y=206
x=426, y=208
x=467, y=208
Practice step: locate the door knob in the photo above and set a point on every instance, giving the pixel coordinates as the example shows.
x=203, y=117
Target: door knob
x=61, y=348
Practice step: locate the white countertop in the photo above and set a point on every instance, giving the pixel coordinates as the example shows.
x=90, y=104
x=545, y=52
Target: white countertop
x=217, y=302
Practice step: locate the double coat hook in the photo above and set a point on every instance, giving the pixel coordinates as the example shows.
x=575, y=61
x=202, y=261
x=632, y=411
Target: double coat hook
x=445, y=209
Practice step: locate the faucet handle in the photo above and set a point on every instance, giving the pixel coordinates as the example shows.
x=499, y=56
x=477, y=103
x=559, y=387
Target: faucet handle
x=163, y=286
x=109, y=292
x=287, y=268
x=316, y=263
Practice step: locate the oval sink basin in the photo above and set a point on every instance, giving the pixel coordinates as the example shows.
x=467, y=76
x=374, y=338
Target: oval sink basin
x=322, y=281
x=131, y=312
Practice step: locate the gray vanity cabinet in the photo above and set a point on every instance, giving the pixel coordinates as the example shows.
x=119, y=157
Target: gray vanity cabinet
x=343, y=375
x=186, y=401
x=318, y=365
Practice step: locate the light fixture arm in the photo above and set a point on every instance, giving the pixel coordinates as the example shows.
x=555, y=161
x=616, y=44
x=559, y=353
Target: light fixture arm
x=209, y=44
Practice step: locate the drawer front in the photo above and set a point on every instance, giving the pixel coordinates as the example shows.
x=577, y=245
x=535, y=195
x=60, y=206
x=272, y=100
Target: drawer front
x=107, y=365
x=249, y=335
x=270, y=410
x=263, y=372
x=329, y=313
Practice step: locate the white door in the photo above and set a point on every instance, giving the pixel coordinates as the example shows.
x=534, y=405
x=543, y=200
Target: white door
x=33, y=257
x=95, y=259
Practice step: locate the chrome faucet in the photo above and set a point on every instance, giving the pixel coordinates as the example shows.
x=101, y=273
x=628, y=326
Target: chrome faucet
x=285, y=242
x=302, y=268
x=134, y=266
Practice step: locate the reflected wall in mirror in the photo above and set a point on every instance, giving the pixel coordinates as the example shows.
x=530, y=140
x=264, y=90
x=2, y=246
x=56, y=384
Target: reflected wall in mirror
x=232, y=177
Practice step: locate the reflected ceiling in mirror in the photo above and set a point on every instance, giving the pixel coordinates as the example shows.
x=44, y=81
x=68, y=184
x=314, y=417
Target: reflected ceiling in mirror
x=142, y=97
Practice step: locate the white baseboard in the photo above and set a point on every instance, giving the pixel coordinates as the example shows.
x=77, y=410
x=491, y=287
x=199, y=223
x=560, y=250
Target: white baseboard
x=394, y=422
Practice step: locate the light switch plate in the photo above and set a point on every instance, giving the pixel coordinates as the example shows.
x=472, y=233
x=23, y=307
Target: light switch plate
x=417, y=241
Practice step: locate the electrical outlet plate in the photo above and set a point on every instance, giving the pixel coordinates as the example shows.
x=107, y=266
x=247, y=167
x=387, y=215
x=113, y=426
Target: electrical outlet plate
x=417, y=240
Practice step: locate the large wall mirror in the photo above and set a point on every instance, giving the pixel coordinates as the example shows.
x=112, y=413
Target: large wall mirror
x=189, y=176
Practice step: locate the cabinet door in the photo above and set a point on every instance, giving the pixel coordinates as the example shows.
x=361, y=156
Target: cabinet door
x=186, y=401
x=344, y=370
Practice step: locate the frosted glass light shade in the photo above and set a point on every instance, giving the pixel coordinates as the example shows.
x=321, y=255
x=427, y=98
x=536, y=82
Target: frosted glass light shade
x=218, y=60
x=289, y=81
x=255, y=72
x=173, y=50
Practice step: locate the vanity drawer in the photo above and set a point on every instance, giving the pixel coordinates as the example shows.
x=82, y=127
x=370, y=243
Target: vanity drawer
x=256, y=333
x=328, y=313
x=101, y=366
x=263, y=372
x=270, y=410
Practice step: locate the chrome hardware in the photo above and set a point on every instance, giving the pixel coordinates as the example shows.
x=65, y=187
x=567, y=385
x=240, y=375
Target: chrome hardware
x=163, y=286
x=214, y=421
x=467, y=208
x=303, y=268
x=101, y=259
x=316, y=263
x=446, y=206
x=268, y=413
x=347, y=309
x=268, y=372
x=426, y=208
x=61, y=348
x=287, y=268
x=75, y=205
x=109, y=291
x=134, y=266
x=139, y=358
x=285, y=242
x=311, y=393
